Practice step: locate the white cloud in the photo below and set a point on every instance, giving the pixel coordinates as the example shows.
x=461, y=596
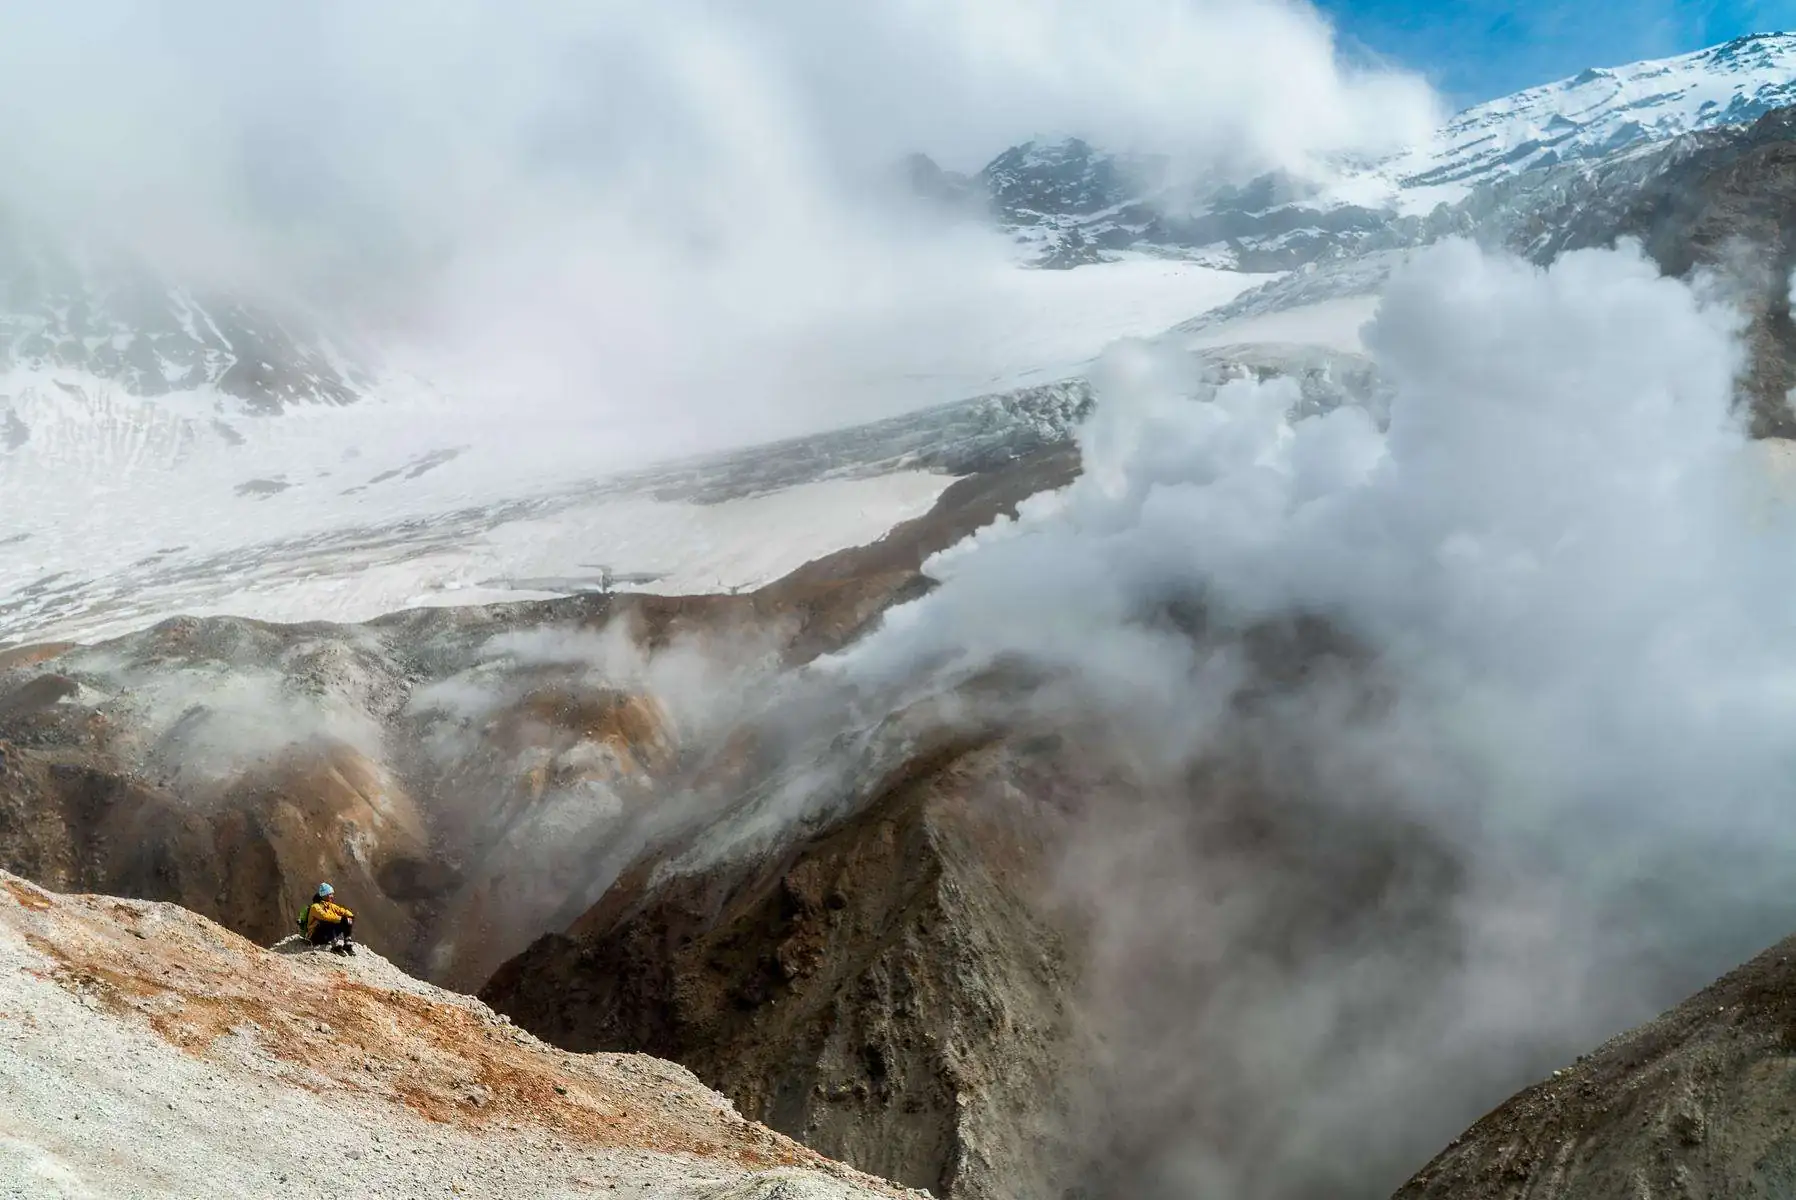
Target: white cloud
x=640, y=218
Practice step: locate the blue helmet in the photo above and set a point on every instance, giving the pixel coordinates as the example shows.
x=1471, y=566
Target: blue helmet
x=325, y=889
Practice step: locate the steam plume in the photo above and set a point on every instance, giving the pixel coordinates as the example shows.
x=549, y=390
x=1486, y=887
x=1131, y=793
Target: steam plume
x=1541, y=793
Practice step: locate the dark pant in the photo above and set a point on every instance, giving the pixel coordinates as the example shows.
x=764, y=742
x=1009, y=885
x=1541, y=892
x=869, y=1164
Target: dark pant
x=326, y=933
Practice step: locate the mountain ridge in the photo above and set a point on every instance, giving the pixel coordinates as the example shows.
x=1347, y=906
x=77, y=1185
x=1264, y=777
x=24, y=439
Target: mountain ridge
x=1068, y=203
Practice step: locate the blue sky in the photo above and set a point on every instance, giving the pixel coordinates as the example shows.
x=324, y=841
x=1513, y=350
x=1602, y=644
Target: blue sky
x=1475, y=49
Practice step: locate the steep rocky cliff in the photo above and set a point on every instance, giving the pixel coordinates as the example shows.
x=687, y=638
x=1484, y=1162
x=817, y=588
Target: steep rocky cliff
x=895, y=986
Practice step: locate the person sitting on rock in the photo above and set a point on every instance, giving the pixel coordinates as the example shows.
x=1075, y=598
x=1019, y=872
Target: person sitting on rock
x=329, y=923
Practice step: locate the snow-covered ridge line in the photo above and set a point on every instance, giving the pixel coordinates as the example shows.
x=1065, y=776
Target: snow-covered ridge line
x=1604, y=109
x=1071, y=204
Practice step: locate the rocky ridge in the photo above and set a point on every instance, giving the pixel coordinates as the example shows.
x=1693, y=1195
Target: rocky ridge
x=895, y=984
x=147, y=1048
x=1696, y=1103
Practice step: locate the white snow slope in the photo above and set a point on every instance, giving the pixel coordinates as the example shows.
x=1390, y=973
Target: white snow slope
x=118, y=510
x=346, y=513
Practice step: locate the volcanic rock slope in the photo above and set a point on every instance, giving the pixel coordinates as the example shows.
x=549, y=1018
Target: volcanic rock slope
x=918, y=972
x=464, y=774
x=905, y=986
x=896, y=985
x=904, y=983
x=149, y=1052
x=1699, y=1103
x=856, y=926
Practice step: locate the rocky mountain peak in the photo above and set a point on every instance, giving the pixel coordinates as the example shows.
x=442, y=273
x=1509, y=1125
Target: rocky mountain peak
x=1056, y=178
x=1693, y=1103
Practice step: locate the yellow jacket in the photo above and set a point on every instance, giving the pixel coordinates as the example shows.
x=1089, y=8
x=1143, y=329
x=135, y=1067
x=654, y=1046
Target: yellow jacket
x=326, y=912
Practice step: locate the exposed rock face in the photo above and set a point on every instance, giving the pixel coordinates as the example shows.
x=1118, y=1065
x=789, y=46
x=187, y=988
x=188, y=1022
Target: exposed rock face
x=1031, y=181
x=149, y=1050
x=895, y=986
x=246, y=856
x=1001, y=955
x=1696, y=1103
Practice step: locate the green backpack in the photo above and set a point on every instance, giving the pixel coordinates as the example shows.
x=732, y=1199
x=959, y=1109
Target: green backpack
x=303, y=914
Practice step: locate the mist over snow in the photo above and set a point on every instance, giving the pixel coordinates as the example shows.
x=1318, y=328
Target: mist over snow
x=1564, y=575
x=560, y=241
x=647, y=228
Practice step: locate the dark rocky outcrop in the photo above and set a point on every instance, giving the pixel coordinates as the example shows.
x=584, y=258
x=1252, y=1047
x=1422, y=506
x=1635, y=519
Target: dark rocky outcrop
x=893, y=986
x=1699, y=1103
x=83, y=823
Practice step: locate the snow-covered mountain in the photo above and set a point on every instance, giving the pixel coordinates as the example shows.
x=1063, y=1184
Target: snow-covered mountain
x=83, y=309
x=1602, y=110
x=109, y=367
x=164, y=449
x=1069, y=203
